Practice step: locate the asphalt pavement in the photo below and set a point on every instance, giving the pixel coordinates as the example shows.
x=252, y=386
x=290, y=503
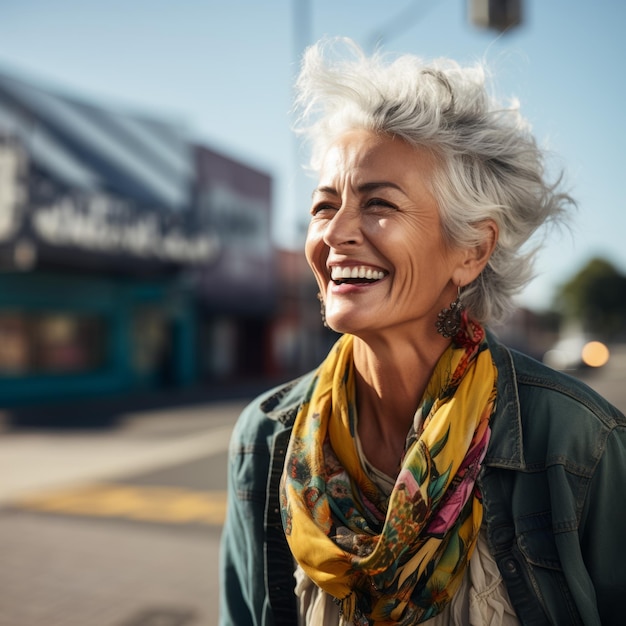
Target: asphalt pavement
x=115, y=525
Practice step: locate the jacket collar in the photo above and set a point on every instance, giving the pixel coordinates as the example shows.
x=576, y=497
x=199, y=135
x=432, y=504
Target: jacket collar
x=506, y=447
x=283, y=403
x=506, y=444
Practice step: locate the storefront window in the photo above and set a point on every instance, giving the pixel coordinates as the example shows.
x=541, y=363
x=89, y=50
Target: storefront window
x=15, y=348
x=50, y=343
x=222, y=348
x=150, y=342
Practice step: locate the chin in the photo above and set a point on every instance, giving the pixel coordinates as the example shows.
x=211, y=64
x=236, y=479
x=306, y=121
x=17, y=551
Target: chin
x=347, y=324
x=338, y=324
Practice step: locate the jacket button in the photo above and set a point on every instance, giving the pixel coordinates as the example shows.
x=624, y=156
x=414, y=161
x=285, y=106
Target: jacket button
x=509, y=566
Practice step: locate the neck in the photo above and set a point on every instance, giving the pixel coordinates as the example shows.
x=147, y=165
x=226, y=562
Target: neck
x=391, y=377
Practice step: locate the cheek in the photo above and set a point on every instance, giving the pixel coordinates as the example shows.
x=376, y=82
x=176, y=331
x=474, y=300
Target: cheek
x=309, y=248
x=315, y=250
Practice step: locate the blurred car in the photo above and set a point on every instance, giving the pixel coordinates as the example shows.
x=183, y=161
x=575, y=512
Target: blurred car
x=577, y=352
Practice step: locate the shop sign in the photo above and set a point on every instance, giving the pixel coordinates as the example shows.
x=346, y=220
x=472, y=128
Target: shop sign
x=100, y=223
x=37, y=211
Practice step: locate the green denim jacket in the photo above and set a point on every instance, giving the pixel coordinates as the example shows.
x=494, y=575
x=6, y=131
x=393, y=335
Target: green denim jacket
x=554, y=493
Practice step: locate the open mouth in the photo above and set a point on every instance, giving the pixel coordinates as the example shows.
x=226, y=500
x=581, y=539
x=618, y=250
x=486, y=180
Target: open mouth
x=355, y=275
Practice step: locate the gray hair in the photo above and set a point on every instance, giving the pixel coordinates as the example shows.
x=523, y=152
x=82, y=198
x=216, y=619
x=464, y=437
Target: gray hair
x=490, y=166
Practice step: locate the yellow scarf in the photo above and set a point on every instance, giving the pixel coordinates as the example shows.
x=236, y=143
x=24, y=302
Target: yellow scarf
x=395, y=559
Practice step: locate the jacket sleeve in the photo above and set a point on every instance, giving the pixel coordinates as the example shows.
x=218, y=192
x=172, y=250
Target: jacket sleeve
x=242, y=577
x=603, y=528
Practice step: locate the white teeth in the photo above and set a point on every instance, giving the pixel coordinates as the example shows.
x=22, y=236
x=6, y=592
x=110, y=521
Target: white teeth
x=339, y=273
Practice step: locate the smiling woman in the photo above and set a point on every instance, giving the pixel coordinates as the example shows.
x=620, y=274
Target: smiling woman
x=421, y=473
x=374, y=210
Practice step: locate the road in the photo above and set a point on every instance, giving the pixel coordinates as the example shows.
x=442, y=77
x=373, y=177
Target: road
x=117, y=527
x=120, y=526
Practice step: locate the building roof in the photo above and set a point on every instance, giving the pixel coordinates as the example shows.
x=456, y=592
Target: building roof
x=90, y=148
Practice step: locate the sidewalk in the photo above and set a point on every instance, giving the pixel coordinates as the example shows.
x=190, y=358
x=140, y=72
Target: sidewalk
x=36, y=460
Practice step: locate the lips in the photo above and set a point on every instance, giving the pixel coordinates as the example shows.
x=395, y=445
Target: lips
x=357, y=274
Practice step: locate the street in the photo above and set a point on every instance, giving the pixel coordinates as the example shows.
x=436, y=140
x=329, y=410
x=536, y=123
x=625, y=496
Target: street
x=115, y=527
x=120, y=526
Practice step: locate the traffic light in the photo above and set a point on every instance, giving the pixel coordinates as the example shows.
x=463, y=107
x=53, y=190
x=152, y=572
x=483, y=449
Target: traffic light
x=500, y=15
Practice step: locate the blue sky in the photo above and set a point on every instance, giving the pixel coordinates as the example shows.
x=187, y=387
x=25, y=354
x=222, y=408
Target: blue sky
x=223, y=70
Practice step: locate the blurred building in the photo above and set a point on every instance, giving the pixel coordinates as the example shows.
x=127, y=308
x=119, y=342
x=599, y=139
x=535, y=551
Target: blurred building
x=130, y=259
x=237, y=292
x=529, y=331
x=300, y=339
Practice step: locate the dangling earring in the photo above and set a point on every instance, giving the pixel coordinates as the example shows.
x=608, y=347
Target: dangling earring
x=320, y=297
x=449, y=320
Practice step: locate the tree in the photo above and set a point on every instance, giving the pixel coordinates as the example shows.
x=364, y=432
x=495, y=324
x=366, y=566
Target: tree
x=596, y=298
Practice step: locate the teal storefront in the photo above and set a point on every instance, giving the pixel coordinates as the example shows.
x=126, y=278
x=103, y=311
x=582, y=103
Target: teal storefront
x=65, y=337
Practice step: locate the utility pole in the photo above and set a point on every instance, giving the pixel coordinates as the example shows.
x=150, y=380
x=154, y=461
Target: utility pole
x=301, y=39
x=310, y=327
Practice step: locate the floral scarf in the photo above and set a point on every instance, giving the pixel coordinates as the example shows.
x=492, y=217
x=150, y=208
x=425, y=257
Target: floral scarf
x=395, y=558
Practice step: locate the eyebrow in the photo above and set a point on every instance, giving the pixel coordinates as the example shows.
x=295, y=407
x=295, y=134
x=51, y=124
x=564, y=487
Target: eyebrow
x=365, y=187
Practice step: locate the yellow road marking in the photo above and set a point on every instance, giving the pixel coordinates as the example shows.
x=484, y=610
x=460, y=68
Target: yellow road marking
x=170, y=505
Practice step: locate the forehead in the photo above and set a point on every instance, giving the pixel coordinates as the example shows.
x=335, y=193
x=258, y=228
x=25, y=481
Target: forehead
x=363, y=153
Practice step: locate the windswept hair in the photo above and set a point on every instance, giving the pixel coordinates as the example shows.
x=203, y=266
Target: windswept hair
x=489, y=164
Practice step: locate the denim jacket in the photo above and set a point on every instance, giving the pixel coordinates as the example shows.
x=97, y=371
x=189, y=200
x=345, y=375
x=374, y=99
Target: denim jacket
x=554, y=493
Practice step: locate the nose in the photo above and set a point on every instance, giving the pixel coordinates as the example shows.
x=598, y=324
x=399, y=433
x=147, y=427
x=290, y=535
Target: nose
x=344, y=228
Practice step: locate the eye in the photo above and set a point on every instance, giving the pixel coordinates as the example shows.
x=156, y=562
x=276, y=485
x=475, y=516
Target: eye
x=322, y=209
x=379, y=203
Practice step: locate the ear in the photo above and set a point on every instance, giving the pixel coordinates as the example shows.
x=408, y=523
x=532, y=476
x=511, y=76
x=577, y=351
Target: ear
x=475, y=258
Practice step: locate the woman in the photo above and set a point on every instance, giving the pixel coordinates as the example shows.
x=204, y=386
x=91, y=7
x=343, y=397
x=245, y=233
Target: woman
x=424, y=473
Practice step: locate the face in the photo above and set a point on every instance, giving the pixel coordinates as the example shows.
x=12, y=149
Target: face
x=375, y=243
